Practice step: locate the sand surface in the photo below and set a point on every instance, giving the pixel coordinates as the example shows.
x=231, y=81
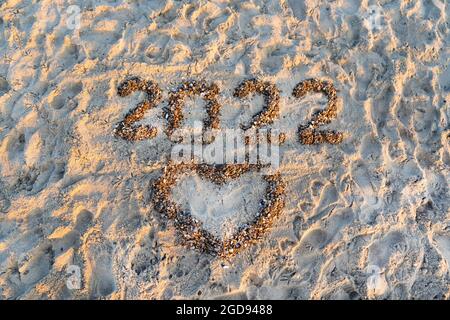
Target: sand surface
x=368, y=218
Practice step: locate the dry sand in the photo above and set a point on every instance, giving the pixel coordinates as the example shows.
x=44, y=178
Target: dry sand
x=367, y=218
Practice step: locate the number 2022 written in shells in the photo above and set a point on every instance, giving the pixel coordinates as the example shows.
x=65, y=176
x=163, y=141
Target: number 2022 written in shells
x=190, y=231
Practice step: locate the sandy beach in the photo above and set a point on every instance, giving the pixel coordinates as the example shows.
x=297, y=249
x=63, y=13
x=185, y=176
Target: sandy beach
x=95, y=95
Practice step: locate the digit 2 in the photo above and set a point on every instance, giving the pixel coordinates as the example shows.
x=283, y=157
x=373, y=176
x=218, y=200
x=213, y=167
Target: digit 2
x=127, y=129
x=308, y=134
x=271, y=95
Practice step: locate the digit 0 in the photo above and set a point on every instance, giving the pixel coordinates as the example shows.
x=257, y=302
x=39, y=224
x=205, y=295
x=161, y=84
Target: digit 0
x=189, y=89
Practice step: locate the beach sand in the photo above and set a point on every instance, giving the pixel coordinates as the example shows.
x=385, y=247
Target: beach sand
x=367, y=218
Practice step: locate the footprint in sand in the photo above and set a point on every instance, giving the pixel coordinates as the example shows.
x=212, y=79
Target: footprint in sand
x=98, y=273
x=145, y=255
x=381, y=250
x=187, y=274
x=5, y=203
x=442, y=241
x=368, y=190
x=48, y=260
x=370, y=148
x=12, y=148
x=4, y=86
x=39, y=264
x=60, y=96
x=67, y=238
x=299, y=9
x=395, y=256
x=308, y=253
x=431, y=279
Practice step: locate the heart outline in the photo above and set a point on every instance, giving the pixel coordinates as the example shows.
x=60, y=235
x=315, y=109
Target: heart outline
x=190, y=230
